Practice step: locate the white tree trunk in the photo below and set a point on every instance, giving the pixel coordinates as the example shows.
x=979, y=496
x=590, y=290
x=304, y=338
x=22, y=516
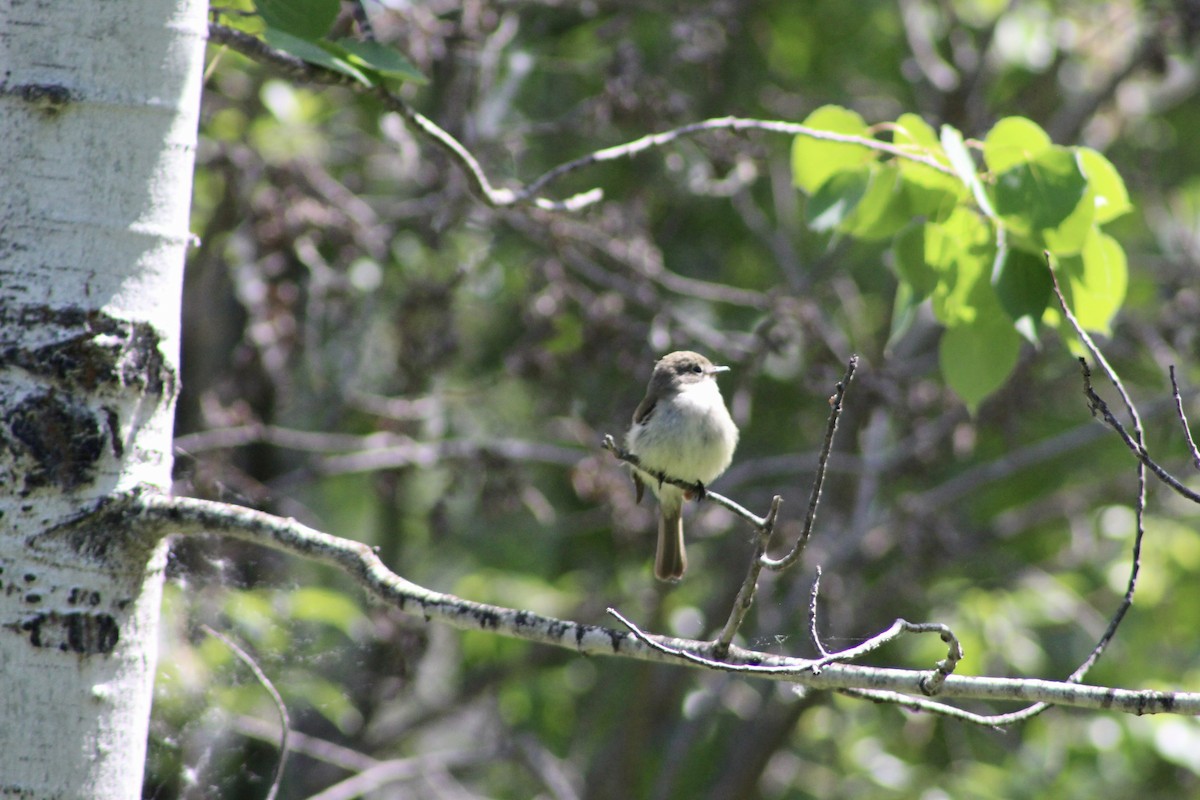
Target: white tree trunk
x=98, y=112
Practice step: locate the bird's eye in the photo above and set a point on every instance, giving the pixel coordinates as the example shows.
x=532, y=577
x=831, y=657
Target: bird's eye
x=696, y=368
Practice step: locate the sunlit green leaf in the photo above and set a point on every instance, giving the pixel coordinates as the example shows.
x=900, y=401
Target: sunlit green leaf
x=976, y=358
x=884, y=207
x=913, y=131
x=960, y=251
x=1069, y=235
x=814, y=161
x=964, y=167
x=1013, y=141
x=931, y=193
x=1111, y=197
x=1040, y=195
x=1096, y=281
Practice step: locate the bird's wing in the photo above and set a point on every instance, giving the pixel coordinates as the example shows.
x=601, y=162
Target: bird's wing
x=644, y=410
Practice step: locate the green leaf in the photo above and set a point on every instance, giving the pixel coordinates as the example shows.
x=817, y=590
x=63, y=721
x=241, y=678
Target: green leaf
x=814, y=161
x=837, y=198
x=977, y=358
x=1013, y=141
x=930, y=193
x=387, y=61
x=1068, y=237
x=1023, y=285
x=961, y=251
x=1040, y=195
x=1096, y=281
x=964, y=167
x=304, y=19
x=1111, y=197
x=884, y=207
x=908, y=251
x=912, y=130
x=314, y=53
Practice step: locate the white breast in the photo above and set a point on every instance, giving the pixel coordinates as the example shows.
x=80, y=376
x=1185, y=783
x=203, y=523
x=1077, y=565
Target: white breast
x=691, y=437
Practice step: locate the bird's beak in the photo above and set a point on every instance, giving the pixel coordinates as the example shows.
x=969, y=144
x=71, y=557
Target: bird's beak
x=714, y=369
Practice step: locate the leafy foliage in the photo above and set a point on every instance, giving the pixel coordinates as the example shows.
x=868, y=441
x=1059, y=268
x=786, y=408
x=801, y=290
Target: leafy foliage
x=971, y=236
x=301, y=27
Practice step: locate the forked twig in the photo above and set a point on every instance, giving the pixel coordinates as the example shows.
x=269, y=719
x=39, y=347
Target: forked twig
x=1096, y=404
x=929, y=684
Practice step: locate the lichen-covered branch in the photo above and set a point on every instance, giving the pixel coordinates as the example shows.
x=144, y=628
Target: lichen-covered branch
x=148, y=516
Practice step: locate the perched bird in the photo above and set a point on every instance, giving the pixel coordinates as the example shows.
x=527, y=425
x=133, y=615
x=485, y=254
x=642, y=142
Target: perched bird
x=682, y=430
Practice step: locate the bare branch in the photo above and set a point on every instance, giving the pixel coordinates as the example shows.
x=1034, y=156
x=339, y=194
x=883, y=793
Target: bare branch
x=1183, y=420
x=146, y=517
x=923, y=705
x=1140, y=500
x=814, y=499
x=1098, y=405
x=737, y=124
x=943, y=669
x=745, y=595
x=1090, y=344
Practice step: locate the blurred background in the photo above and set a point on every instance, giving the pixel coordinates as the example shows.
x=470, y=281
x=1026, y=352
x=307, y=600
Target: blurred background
x=371, y=349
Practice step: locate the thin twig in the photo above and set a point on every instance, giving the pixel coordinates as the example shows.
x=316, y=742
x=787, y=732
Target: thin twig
x=284, y=722
x=802, y=665
x=398, y=770
x=302, y=744
x=1140, y=501
x=1098, y=405
x=745, y=595
x=1183, y=420
x=737, y=124
x=812, y=614
x=1090, y=344
x=298, y=69
x=933, y=683
x=923, y=705
x=929, y=684
x=814, y=498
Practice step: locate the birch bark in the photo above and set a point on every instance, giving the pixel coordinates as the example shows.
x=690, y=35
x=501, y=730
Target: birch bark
x=98, y=113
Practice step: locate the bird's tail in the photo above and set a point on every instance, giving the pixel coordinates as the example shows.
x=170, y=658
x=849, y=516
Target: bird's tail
x=670, y=560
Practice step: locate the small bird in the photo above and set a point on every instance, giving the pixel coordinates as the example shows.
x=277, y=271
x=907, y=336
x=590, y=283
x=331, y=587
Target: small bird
x=682, y=430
